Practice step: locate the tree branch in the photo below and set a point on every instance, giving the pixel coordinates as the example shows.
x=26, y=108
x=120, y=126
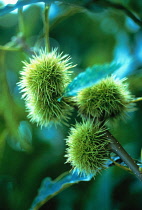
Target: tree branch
x=120, y=7
x=119, y=150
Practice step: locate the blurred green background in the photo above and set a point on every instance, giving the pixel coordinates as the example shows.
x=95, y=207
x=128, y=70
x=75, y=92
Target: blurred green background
x=28, y=153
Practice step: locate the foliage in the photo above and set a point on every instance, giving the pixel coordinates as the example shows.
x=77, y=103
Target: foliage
x=102, y=37
x=50, y=188
x=89, y=77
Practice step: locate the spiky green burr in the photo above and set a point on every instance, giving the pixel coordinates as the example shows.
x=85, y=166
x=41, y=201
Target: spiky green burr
x=87, y=147
x=109, y=98
x=43, y=81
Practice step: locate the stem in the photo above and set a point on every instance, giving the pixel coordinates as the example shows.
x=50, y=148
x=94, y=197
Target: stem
x=121, y=166
x=6, y=48
x=136, y=100
x=21, y=21
x=21, y=45
x=119, y=150
x=46, y=26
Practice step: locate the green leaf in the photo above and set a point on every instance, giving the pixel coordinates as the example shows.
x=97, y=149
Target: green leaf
x=90, y=77
x=51, y=188
x=10, y=7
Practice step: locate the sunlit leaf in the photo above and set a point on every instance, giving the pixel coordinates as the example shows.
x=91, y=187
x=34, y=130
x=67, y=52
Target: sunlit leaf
x=10, y=7
x=51, y=188
x=90, y=77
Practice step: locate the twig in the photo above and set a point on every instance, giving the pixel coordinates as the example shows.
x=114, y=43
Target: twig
x=120, y=7
x=136, y=100
x=17, y=44
x=125, y=10
x=46, y=26
x=121, y=166
x=6, y=48
x=21, y=22
x=119, y=150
